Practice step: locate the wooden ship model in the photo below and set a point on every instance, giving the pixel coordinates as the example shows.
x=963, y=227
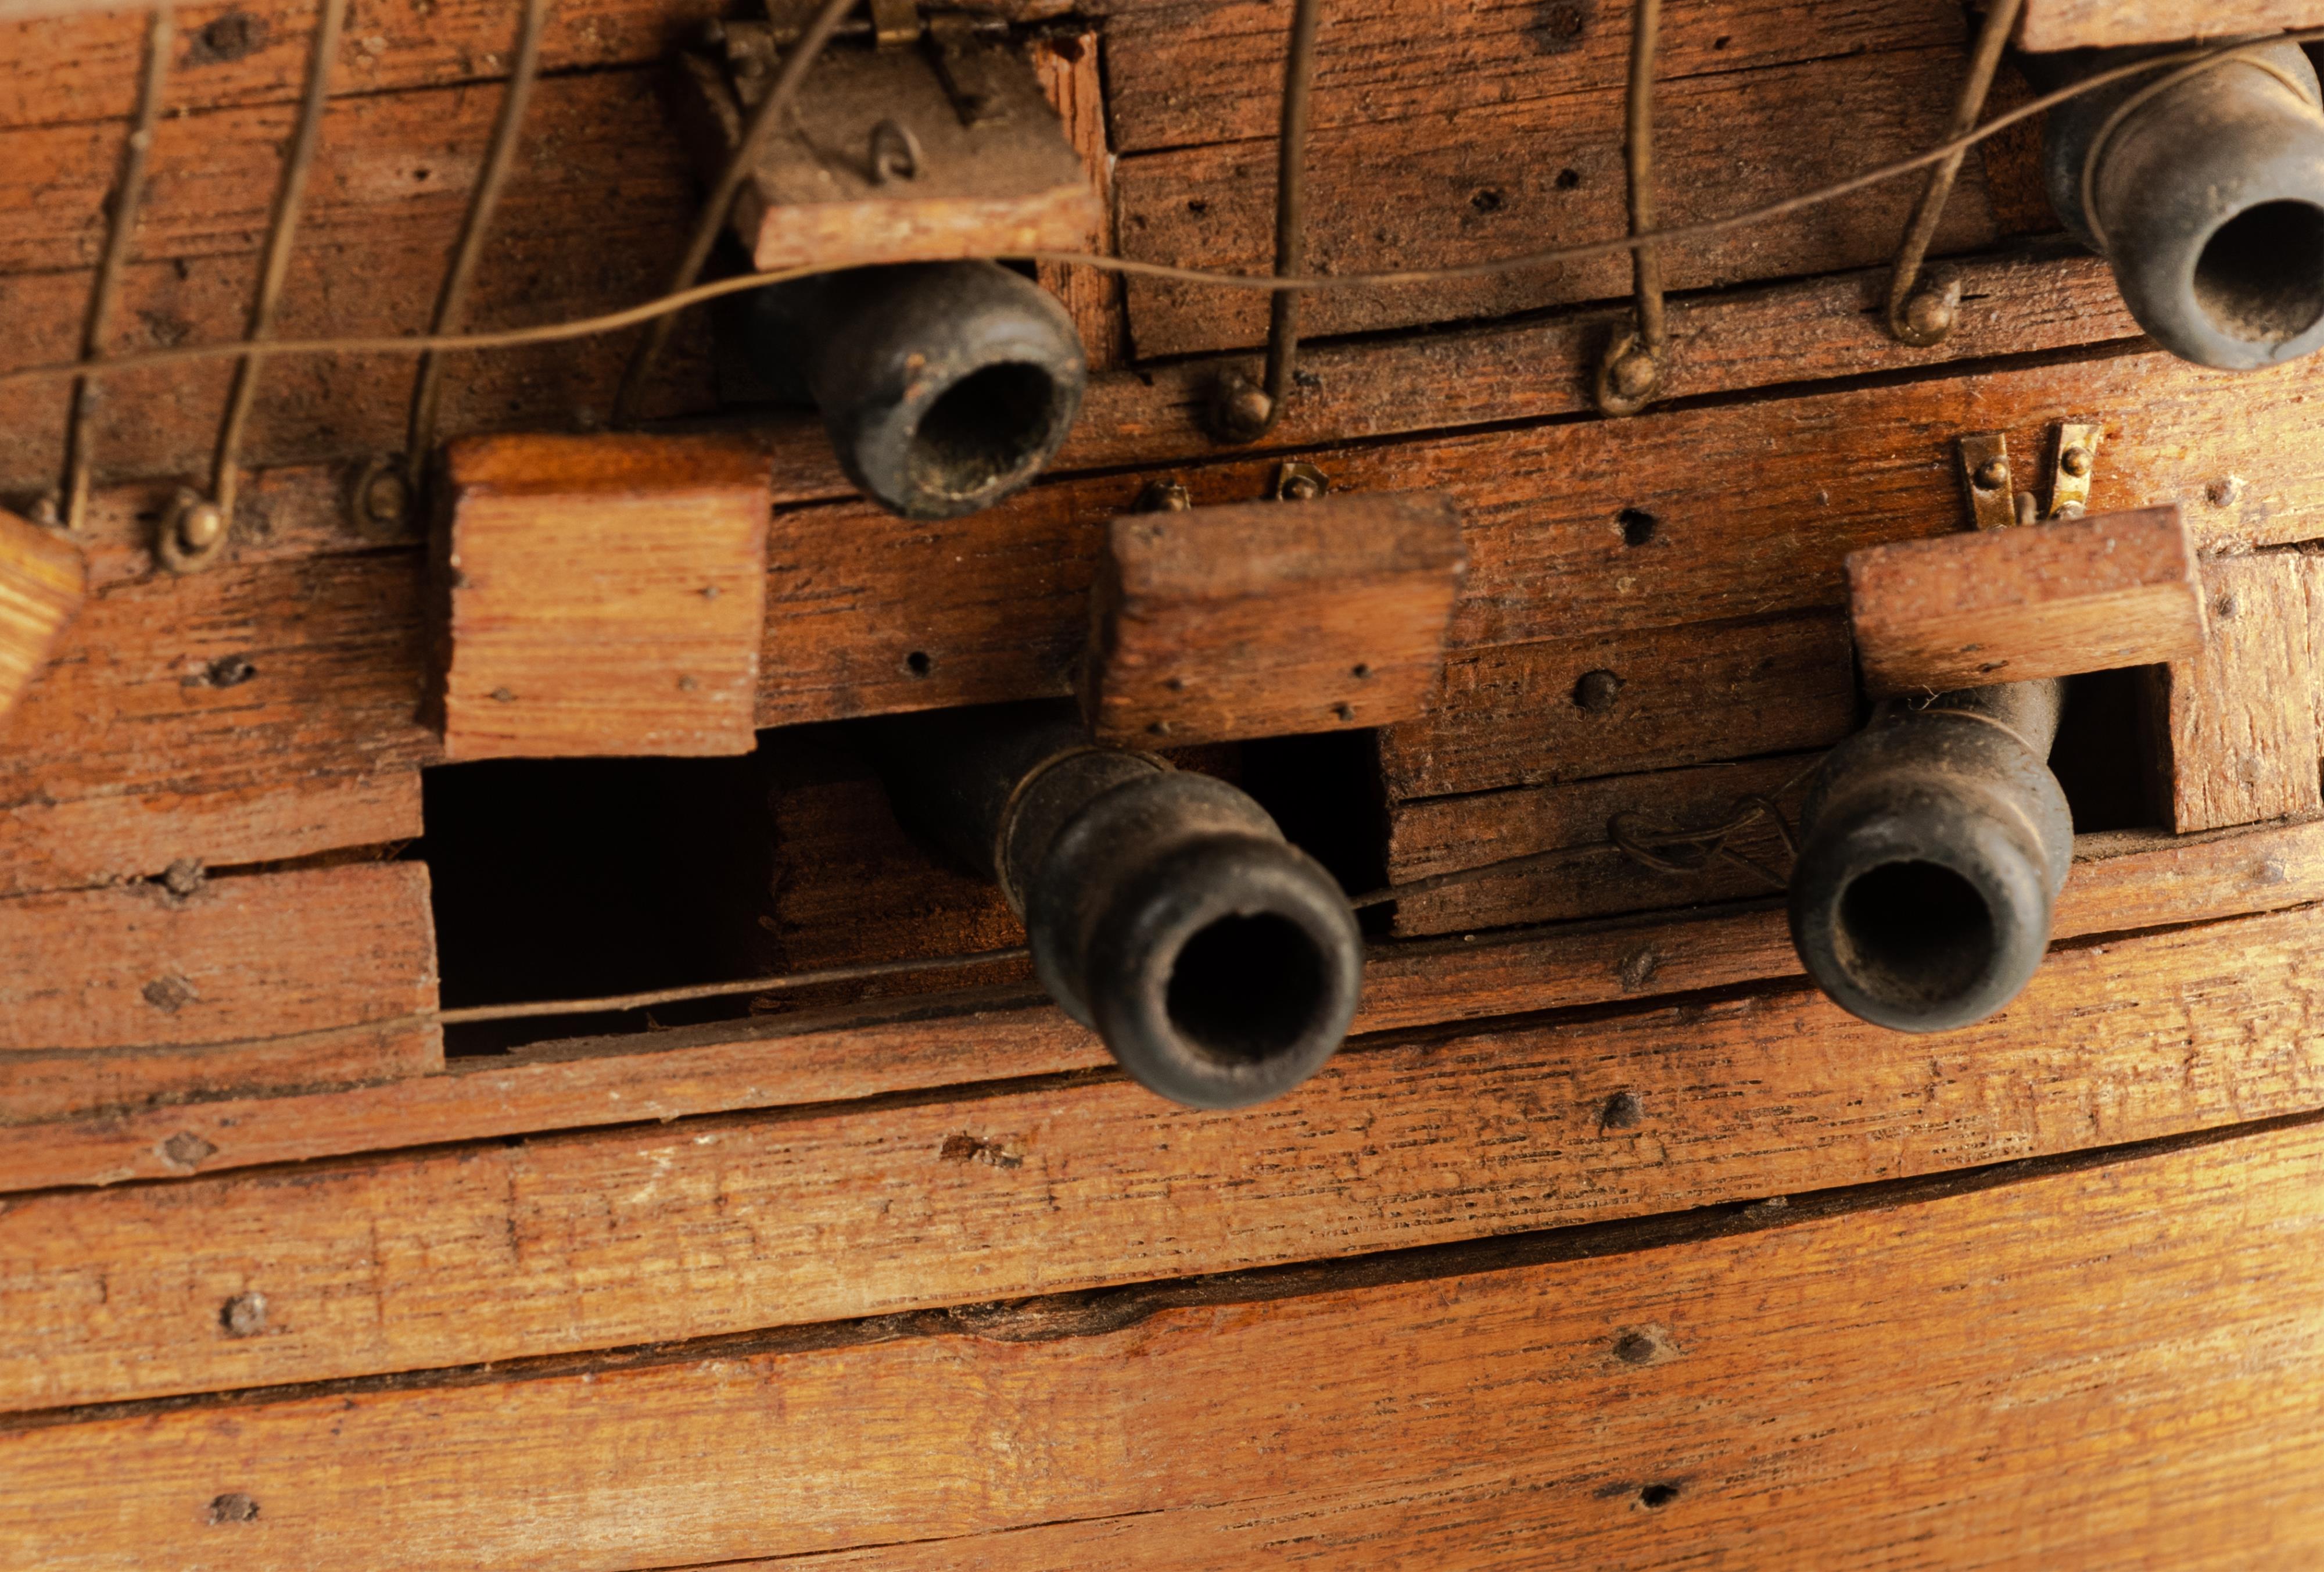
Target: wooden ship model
x=1165, y=783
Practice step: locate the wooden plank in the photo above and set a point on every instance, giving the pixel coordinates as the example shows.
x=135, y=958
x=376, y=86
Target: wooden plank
x=606, y=595
x=1576, y=871
x=165, y=423
x=2237, y=722
x=260, y=955
x=2051, y=24
x=243, y=714
x=1729, y=511
x=41, y=581
x=1193, y=71
x=254, y=52
x=2120, y=882
x=1437, y=190
x=633, y=1235
x=1620, y=704
x=594, y=209
x=2002, y=605
x=1983, y=1364
x=1271, y=619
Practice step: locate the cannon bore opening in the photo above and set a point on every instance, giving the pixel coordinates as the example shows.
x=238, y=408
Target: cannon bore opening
x=2261, y=274
x=1245, y=988
x=988, y=427
x=1914, y=933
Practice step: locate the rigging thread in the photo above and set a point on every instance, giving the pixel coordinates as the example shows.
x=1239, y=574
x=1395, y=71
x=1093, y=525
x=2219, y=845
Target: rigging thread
x=452, y=302
x=666, y=305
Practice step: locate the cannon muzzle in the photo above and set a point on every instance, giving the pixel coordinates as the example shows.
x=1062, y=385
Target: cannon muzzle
x=2204, y=191
x=1165, y=910
x=1934, y=843
x=945, y=386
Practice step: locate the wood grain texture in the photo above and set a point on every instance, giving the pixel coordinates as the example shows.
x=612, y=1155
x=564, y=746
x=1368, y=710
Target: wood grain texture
x=603, y=1240
x=1442, y=189
x=1193, y=71
x=1725, y=511
x=240, y=714
x=2006, y=606
x=1620, y=704
x=2237, y=722
x=1271, y=619
x=2121, y=882
x=2053, y=24
x=1926, y=1378
x=1577, y=871
x=42, y=579
x=606, y=595
x=264, y=955
x=591, y=221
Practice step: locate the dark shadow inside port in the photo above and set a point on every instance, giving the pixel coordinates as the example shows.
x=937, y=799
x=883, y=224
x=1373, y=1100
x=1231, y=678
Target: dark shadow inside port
x=2261, y=274
x=578, y=878
x=1914, y=933
x=1245, y=988
x=990, y=425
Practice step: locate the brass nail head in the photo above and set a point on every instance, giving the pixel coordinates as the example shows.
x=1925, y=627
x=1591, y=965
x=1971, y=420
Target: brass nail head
x=2075, y=461
x=201, y=525
x=1992, y=474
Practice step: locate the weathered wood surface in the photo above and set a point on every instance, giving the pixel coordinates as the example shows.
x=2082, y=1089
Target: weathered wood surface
x=111, y=1001
x=254, y=52
x=1008, y=184
x=240, y=714
x=1576, y=870
x=606, y=595
x=1443, y=189
x=1193, y=71
x=1271, y=619
x=1737, y=511
x=42, y=579
x=1737, y=517
x=591, y=221
x=2120, y=882
x=2053, y=24
x=1624, y=703
x=628, y=1237
x=1990, y=1357
x=2238, y=737
x=2003, y=606
x=265, y=955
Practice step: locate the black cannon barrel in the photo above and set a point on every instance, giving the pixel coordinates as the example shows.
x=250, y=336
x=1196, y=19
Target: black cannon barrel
x=1933, y=847
x=1220, y=963
x=945, y=386
x=2205, y=193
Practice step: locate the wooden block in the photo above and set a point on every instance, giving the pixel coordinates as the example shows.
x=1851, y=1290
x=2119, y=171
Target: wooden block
x=1008, y=184
x=2004, y=605
x=606, y=595
x=2237, y=722
x=41, y=581
x=626, y=1236
x=2018, y=1374
x=2051, y=24
x=1271, y=618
